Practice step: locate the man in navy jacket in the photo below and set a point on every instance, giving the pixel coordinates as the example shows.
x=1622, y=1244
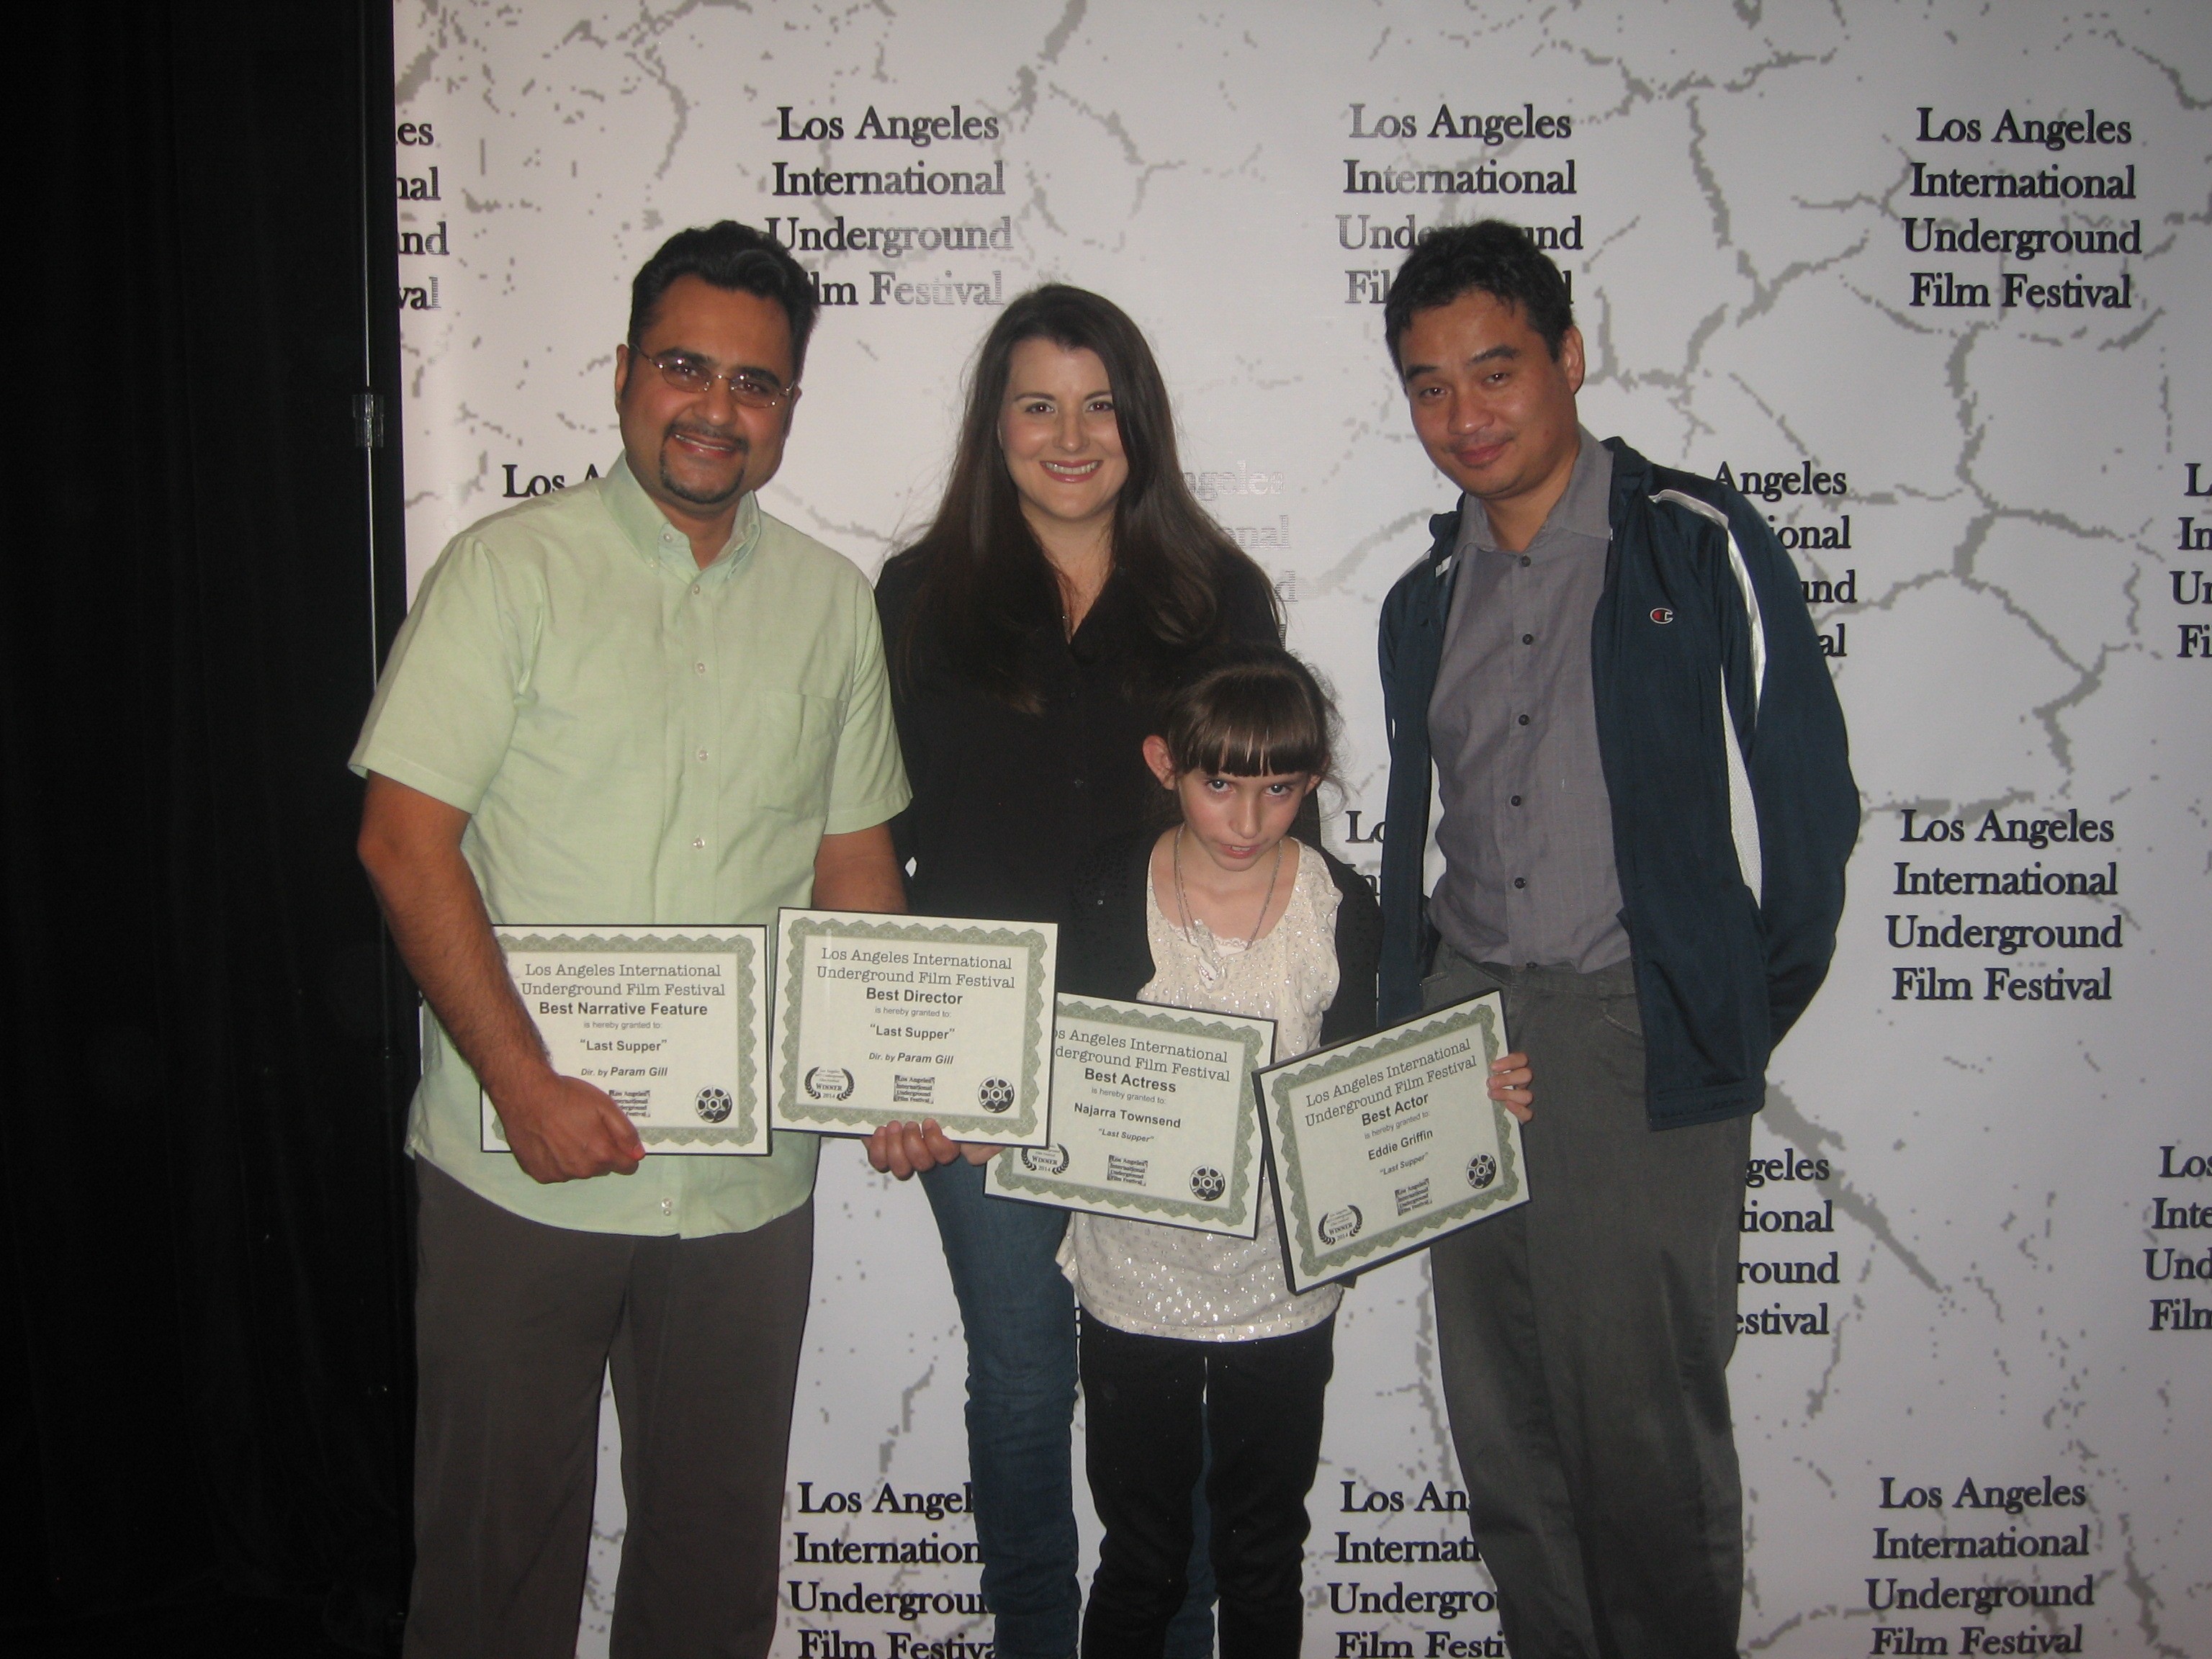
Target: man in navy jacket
x=1646, y=808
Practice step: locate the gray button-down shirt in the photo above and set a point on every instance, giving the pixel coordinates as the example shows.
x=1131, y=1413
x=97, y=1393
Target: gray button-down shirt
x=1526, y=831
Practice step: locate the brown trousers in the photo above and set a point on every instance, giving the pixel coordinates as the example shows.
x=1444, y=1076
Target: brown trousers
x=515, y=1324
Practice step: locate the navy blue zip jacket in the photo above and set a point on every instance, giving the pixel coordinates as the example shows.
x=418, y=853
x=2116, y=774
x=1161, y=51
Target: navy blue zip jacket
x=1723, y=749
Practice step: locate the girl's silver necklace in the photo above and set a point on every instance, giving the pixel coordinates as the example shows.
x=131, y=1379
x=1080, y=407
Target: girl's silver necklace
x=1182, y=900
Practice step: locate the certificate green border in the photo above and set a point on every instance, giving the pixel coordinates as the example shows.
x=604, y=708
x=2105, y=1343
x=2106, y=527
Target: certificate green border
x=1024, y=1119
x=1242, y=1202
x=1282, y=1086
x=745, y=1126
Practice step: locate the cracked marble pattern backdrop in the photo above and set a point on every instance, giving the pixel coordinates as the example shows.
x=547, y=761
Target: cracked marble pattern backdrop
x=2013, y=631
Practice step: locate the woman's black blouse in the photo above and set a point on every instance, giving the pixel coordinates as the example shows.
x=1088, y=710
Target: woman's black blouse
x=1008, y=806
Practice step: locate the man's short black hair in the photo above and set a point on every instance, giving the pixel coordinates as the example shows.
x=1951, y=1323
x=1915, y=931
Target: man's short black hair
x=727, y=255
x=1489, y=255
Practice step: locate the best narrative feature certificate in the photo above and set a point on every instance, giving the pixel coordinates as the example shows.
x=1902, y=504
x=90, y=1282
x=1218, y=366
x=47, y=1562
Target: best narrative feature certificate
x=884, y=1019
x=1382, y=1146
x=1154, y=1117
x=671, y=1022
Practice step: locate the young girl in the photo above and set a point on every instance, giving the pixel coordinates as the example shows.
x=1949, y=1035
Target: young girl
x=1191, y=1338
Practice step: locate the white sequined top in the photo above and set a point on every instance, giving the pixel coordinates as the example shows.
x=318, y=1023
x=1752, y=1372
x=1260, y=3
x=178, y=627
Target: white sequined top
x=1157, y=1280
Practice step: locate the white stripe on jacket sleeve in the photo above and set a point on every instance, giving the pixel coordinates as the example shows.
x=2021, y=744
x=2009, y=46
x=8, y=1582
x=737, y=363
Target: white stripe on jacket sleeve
x=1743, y=812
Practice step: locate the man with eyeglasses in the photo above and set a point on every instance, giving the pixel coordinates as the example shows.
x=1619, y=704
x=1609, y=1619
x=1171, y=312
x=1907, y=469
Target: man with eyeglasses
x=642, y=700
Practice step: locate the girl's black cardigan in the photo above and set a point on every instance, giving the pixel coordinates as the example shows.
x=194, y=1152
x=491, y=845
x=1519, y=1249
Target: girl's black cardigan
x=1103, y=951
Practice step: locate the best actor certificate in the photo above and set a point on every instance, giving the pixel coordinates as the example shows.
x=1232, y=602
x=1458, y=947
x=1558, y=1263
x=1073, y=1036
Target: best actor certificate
x=1154, y=1117
x=883, y=1019
x=671, y=1022
x=1380, y=1146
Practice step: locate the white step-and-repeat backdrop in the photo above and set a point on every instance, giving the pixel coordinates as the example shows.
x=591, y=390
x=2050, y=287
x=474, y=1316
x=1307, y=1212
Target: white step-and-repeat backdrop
x=1928, y=280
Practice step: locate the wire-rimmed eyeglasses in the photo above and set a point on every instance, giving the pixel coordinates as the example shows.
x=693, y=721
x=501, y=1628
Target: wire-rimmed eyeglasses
x=748, y=386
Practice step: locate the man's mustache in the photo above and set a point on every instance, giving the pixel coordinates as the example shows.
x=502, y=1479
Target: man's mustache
x=731, y=435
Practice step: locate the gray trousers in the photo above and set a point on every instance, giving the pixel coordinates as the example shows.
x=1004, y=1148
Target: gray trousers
x=516, y=1322
x=1585, y=1339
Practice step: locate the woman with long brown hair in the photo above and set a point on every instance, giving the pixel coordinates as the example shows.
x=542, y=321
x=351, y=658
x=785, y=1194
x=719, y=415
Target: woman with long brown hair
x=1067, y=585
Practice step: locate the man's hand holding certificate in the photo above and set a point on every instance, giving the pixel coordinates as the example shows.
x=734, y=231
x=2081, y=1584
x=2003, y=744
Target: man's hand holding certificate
x=1381, y=1146
x=670, y=1022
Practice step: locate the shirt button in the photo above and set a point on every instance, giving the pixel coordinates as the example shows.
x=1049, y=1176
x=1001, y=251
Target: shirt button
x=703, y=754
x=695, y=586
x=1527, y=638
x=698, y=841
x=698, y=667
x=1525, y=561
x=1516, y=800
x=1520, y=881
x=668, y=1206
x=1525, y=720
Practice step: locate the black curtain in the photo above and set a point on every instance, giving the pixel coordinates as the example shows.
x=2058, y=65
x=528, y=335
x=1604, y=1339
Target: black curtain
x=207, y=1044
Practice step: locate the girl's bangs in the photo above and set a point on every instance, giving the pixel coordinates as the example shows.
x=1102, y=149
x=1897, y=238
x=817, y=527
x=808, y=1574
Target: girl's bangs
x=1263, y=716
x=1253, y=747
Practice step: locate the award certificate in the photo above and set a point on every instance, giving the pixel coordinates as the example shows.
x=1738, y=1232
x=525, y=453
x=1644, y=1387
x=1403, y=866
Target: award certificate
x=671, y=1022
x=1382, y=1146
x=883, y=1019
x=1154, y=1118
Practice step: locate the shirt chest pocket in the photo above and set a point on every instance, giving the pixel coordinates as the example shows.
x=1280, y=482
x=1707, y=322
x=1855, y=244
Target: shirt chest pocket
x=777, y=751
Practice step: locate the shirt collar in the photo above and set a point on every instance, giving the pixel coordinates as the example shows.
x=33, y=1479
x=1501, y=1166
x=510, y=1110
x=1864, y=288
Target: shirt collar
x=1585, y=509
x=660, y=543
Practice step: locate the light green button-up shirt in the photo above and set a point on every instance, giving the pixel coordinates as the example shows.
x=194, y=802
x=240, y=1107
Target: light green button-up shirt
x=636, y=740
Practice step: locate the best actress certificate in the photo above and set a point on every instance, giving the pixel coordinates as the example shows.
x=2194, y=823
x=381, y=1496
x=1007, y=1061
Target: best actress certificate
x=881, y=1019
x=671, y=1022
x=1382, y=1146
x=1153, y=1117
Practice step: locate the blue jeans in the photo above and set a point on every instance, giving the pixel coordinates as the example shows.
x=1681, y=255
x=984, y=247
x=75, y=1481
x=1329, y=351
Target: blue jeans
x=1019, y=1313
